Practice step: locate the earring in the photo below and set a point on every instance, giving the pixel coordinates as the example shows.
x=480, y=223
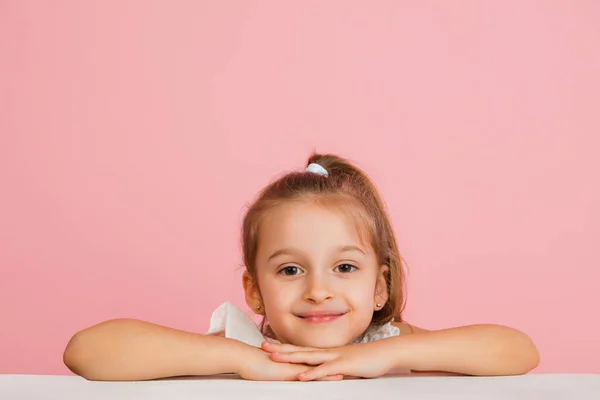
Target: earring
x=378, y=304
x=258, y=307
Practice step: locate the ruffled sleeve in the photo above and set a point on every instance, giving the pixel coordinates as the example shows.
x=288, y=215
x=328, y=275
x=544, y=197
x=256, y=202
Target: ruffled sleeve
x=229, y=321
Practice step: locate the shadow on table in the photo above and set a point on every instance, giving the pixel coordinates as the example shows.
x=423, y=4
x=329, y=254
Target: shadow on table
x=237, y=377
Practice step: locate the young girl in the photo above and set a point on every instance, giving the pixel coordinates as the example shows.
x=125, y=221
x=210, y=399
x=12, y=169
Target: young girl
x=324, y=271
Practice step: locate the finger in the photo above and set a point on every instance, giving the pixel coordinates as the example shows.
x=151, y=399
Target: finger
x=305, y=357
x=323, y=370
x=283, y=348
x=338, y=377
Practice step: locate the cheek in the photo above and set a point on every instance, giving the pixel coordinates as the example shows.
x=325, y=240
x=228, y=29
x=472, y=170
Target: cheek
x=362, y=291
x=275, y=295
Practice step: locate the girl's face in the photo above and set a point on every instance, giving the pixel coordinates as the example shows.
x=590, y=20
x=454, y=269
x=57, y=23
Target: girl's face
x=319, y=284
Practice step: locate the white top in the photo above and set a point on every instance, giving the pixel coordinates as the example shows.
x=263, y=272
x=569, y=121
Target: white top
x=233, y=323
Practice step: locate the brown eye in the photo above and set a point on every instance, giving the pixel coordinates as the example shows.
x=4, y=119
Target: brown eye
x=345, y=268
x=290, y=270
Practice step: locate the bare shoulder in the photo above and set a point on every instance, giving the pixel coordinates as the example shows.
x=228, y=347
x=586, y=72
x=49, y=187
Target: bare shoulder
x=407, y=329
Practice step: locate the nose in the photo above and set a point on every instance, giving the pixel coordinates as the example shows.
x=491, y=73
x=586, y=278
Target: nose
x=317, y=290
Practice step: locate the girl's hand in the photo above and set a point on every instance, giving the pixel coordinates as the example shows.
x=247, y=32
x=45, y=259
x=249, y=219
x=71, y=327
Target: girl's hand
x=366, y=360
x=257, y=365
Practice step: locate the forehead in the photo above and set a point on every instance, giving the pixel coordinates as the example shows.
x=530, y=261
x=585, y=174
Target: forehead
x=313, y=226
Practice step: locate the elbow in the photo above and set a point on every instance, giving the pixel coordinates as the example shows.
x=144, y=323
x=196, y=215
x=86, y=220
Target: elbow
x=524, y=365
x=511, y=352
x=74, y=356
x=524, y=357
x=85, y=353
x=532, y=359
x=80, y=359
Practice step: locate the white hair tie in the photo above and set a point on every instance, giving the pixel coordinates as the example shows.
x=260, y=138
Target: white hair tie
x=316, y=169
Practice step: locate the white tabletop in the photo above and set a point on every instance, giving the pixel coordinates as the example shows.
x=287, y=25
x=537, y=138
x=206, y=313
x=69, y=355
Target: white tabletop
x=532, y=386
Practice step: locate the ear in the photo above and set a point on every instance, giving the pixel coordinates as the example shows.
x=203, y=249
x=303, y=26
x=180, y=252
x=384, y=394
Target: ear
x=253, y=298
x=381, y=290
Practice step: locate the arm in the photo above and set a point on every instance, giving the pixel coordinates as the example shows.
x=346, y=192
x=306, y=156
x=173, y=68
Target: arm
x=470, y=350
x=128, y=349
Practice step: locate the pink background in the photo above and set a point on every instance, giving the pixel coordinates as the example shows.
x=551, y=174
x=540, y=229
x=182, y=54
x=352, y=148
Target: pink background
x=132, y=134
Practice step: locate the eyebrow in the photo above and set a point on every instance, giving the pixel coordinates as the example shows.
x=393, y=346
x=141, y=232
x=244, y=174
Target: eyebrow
x=292, y=251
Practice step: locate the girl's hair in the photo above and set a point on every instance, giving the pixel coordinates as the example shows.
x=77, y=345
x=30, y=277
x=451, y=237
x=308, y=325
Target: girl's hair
x=351, y=191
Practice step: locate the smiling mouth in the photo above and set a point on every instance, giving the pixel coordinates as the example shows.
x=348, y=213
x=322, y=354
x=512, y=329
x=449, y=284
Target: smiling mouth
x=316, y=318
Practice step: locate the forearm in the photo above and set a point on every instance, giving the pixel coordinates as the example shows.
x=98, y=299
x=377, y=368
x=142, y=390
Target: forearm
x=471, y=350
x=125, y=349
